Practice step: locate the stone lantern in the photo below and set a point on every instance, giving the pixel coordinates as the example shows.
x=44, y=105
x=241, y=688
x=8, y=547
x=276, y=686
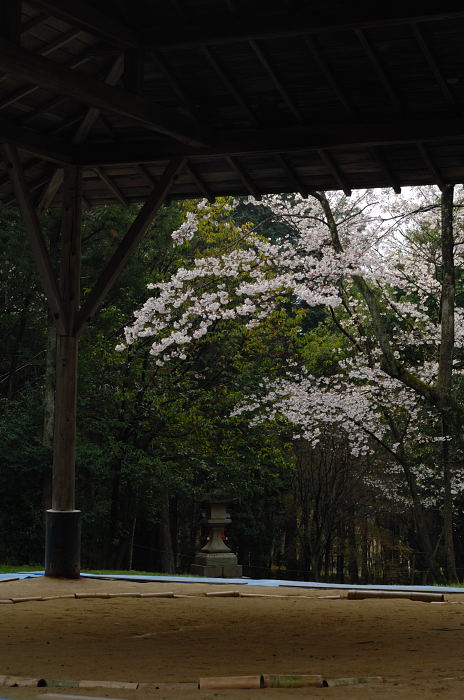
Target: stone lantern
x=215, y=559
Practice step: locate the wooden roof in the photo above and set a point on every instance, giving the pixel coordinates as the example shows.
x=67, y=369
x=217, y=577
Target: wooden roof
x=255, y=97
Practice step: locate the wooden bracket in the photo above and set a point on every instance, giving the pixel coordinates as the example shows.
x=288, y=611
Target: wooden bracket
x=35, y=236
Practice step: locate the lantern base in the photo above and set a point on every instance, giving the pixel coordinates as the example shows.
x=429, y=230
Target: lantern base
x=218, y=565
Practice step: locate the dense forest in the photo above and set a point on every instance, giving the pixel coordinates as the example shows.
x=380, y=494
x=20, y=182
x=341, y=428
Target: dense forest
x=303, y=357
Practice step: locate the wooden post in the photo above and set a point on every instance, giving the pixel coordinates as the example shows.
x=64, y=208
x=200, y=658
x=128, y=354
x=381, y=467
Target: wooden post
x=62, y=553
x=62, y=547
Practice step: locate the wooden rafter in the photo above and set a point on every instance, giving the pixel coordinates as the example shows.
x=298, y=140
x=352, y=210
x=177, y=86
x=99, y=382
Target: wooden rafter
x=33, y=22
x=26, y=166
x=68, y=123
x=146, y=175
x=89, y=18
x=228, y=82
x=244, y=177
x=51, y=189
x=104, y=177
x=377, y=65
x=329, y=74
x=335, y=171
x=282, y=140
x=130, y=241
x=432, y=61
x=33, y=185
x=385, y=166
x=134, y=70
x=54, y=45
x=292, y=175
x=193, y=175
x=179, y=90
x=428, y=160
x=50, y=105
x=318, y=20
x=45, y=146
x=35, y=236
x=79, y=137
x=43, y=109
x=93, y=113
x=265, y=62
x=51, y=76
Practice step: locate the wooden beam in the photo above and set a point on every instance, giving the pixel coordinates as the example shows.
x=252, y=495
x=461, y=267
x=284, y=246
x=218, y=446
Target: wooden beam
x=80, y=136
x=176, y=85
x=337, y=175
x=88, y=17
x=33, y=185
x=134, y=70
x=129, y=243
x=50, y=192
x=375, y=61
x=112, y=78
x=50, y=105
x=33, y=22
x=292, y=175
x=385, y=166
x=82, y=88
x=193, y=175
x=297, y=138
x=432, y=61
x=315, y=20
x=26, y=165
x=427, y=158
x=227, y=81
x=35, y=236
x=146, y=175
x=289, y=101
x=328, y=74
x=111, y=186
x=244, y=177
x=46, y=50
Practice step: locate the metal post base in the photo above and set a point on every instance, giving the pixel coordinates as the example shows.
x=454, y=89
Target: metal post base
x=63, y=543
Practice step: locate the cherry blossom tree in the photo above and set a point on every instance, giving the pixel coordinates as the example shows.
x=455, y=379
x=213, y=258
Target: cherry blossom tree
x=386, y=278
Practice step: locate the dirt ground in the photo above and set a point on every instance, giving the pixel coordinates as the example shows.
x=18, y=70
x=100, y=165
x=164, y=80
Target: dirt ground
x=418, y=648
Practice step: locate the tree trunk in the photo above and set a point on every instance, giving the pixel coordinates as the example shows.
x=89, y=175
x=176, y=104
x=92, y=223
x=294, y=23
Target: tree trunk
x=353, y=561
x=445, y=370
x=420, y=521
x=17, y=345
x=49, y=388
x=168, y=565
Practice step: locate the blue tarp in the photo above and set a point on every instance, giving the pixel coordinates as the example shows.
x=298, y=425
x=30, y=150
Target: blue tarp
x=273, y=583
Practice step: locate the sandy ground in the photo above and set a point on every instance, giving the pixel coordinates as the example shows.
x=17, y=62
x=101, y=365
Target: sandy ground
x=417, y=647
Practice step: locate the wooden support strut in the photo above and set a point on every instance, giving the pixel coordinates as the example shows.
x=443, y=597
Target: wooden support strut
x=34, y=235
x=130, y=241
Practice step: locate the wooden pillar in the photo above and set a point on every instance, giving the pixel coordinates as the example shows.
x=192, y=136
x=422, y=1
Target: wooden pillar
x=62, y=547
x=62, y=553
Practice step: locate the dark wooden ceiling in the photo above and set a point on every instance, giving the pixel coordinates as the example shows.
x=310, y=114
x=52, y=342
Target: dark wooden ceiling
x=256, y=97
